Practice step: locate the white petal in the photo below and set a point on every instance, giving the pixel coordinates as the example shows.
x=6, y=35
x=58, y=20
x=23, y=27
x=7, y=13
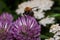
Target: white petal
x=47, y=20
x=54, y=28
x=39, y=15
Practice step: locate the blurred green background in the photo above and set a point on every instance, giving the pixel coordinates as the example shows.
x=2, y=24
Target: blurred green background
x=11, y=5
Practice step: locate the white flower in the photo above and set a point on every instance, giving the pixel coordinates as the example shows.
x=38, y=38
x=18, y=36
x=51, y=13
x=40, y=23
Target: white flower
x=54, y=28
x=38, y=14
x=37, y=4
x=57, y=36
x=47, y=20
x=19, y=11
x=23, y=5
x=44, y=4
x=50, y=39
x=41, y=4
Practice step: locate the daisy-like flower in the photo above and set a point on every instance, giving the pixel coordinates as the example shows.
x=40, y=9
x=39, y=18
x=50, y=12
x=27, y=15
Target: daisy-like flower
x=42, y=4
x=39, y=4
x=5, y=25
x=54, y=28
x=47, y=20
x=26, y=28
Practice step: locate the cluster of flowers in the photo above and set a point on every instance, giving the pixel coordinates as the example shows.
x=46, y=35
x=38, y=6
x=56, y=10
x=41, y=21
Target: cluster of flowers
x=38, y=7
x=24, y=28
x=55, y=28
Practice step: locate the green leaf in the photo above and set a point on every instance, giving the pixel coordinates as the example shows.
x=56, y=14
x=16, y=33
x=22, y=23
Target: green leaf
x=44, y=37
x=49, y=34
x=54, y=15
x=56, y=8
x=3, y=7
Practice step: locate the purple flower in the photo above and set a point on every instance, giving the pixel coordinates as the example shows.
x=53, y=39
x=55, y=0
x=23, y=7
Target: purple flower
x=26, y=28
x=5, y=26
x=4, y=31
x=6, y=17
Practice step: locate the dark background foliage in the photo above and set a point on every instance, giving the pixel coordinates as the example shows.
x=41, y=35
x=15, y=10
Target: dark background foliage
x=11, y=5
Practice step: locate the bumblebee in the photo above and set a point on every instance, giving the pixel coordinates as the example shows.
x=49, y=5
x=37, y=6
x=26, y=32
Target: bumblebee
x=28, y=11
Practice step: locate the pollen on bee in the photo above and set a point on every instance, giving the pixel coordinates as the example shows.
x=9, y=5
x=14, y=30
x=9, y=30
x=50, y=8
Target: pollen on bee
x=28, y=9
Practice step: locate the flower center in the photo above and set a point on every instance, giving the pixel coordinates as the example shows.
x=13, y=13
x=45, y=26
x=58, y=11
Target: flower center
x=24, y=29
x=3, y=34
x=2, y=31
